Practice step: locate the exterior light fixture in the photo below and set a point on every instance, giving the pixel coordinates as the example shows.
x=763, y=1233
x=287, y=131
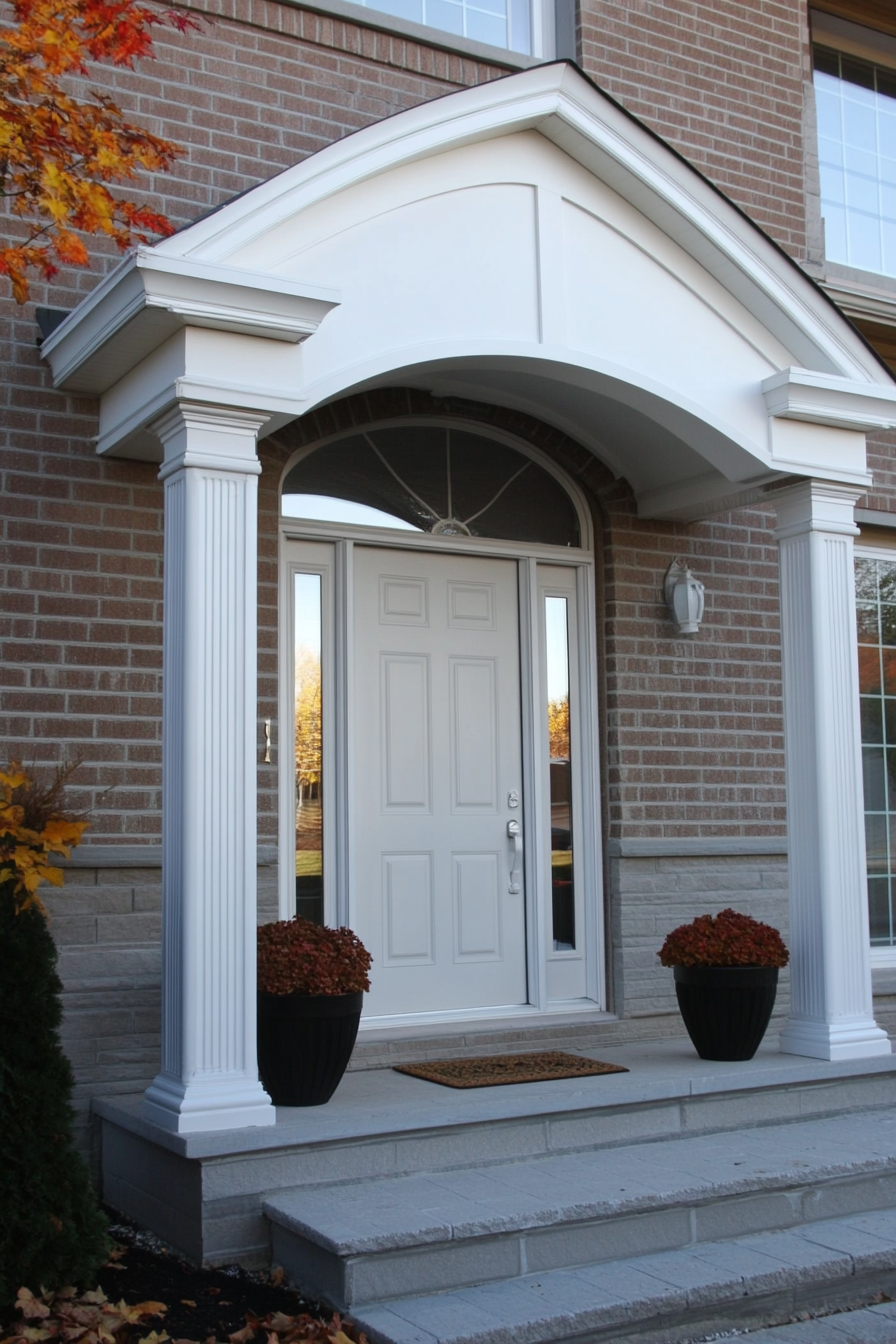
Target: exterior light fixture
x=684, y=597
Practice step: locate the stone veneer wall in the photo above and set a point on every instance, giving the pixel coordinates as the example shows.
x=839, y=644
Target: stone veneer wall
x=107, y=923
x=655, y=885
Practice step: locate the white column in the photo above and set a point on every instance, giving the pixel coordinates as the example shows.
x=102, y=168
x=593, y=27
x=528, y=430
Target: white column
x=209, y=1074
x=832, y=1013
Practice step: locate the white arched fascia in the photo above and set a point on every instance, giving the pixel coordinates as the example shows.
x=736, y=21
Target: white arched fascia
x=560, y=103
x=122, y=341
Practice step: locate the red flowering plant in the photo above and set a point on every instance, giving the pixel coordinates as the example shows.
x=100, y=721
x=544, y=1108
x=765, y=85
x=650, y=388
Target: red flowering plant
x=726, y=939
x=298, y=957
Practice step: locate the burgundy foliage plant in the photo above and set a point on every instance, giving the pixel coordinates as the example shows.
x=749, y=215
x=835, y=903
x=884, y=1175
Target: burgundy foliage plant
x=726, y=939
x=298, y=957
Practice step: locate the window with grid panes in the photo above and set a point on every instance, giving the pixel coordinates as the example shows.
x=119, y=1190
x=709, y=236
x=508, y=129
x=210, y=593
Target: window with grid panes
x=876, y=613
x=500, y=23
x=856, y=108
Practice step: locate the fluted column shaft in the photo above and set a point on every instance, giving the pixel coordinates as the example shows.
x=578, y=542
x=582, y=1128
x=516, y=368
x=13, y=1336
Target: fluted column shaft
x=209, y=1075
x=831, y=1013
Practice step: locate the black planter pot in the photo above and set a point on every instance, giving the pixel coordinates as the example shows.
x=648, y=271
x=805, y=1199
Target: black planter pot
x=304, y=1044
x=726, y=1009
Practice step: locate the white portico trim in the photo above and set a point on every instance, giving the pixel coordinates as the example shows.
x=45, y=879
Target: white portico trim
x=523, y=244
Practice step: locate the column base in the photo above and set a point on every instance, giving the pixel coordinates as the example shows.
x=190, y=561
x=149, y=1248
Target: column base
x=833, y=1040
x=222, y=1103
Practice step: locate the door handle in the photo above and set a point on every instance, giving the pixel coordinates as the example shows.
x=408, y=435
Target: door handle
x=515, y=833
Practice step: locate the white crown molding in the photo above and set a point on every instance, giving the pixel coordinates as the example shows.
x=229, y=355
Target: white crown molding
x=803, y=394
x=151, y=295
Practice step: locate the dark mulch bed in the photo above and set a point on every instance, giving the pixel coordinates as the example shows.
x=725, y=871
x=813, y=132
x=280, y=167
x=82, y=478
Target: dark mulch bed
x=202, y=1303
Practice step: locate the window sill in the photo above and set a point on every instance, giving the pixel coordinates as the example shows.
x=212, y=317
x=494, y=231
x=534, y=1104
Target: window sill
x=420, y=32
x=861, y=294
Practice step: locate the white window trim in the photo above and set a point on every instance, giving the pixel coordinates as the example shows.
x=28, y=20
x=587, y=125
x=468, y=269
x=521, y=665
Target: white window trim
x=859, y=293
x=543, y=32
x=880, y=956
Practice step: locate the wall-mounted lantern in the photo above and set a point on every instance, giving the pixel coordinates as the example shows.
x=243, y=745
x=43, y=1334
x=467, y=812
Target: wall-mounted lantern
x=684, y=597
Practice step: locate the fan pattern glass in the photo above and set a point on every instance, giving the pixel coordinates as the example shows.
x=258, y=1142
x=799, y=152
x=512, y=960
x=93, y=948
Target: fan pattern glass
x=436, y=479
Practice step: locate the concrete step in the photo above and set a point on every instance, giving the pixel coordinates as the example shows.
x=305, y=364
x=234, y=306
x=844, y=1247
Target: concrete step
x=708, y=1290
x=864, y=1325
x=384, y=1238
x=203, y=1192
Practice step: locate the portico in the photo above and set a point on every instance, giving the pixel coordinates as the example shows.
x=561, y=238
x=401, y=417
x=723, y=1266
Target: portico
x=528, y=245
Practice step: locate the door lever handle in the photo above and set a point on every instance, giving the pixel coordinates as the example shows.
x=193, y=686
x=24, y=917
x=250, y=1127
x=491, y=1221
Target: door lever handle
x=515, y=833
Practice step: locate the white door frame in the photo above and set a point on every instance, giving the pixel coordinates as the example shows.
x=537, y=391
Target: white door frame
x=328, y=551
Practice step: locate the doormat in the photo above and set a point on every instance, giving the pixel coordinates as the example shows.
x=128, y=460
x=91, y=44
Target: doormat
x=499, y=1070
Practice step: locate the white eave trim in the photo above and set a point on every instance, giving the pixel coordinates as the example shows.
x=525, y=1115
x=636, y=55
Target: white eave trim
x=151, y=295
x=801, y=394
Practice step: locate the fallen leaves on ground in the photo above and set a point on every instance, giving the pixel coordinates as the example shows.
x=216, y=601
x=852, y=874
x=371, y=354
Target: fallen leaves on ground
x=92, y=1318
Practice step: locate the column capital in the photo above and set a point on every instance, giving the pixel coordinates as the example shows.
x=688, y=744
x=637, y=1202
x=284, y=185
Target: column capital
x=816, y=506
x=215, y=437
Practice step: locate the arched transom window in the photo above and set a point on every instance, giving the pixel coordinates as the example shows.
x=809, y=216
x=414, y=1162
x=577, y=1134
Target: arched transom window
x=432, y=478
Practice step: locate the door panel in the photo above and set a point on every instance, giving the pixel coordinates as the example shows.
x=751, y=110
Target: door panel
x=436, y=699
x=474, y=735
x=405, y=723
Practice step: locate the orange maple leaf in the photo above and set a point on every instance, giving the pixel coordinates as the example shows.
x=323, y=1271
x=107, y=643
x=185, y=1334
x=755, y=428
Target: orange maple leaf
x=57, y=151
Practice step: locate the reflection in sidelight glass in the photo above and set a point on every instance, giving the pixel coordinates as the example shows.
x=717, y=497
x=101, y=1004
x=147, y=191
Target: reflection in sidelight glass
x=308, y=749
x=556, y=618
x=876, y=613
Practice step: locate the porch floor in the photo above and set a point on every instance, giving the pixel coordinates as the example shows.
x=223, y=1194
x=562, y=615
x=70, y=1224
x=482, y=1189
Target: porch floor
x=379, y=1102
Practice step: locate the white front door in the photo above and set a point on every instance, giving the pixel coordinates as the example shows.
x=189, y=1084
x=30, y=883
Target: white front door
x=438, y=776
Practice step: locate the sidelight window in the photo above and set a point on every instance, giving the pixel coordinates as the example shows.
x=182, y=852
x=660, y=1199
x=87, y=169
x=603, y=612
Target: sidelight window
x=308, y=735
x=563, y=907
x=876, y=615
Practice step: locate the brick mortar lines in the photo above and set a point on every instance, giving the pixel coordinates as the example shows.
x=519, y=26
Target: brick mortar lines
x=679, y=66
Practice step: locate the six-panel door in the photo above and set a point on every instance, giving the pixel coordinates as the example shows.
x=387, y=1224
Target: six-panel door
x=436, y=686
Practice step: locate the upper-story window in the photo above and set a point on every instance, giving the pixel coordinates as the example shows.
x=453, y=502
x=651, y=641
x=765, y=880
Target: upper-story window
x=500, y=23
x=856, y=107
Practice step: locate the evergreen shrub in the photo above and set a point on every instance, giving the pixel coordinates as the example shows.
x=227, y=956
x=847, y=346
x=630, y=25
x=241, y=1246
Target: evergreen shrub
x=52, y=1232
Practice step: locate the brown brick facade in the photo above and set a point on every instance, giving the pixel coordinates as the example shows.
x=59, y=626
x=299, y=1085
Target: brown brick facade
x=691, y=729
x=723, y=82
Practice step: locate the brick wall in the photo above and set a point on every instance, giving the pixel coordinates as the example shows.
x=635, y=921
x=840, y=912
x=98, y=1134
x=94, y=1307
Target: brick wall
x=260, y=87
x=694, y=730
x=723, y=82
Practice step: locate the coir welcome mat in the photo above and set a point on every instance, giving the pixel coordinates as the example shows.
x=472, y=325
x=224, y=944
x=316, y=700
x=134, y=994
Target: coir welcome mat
x=499, y=1070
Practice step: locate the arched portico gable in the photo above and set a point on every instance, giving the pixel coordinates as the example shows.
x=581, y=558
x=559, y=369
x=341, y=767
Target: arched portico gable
x=525, y=242
x=528, y=244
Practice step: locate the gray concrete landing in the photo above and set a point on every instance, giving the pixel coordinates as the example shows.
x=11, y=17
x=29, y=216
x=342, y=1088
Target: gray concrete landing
x=203, y=1193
